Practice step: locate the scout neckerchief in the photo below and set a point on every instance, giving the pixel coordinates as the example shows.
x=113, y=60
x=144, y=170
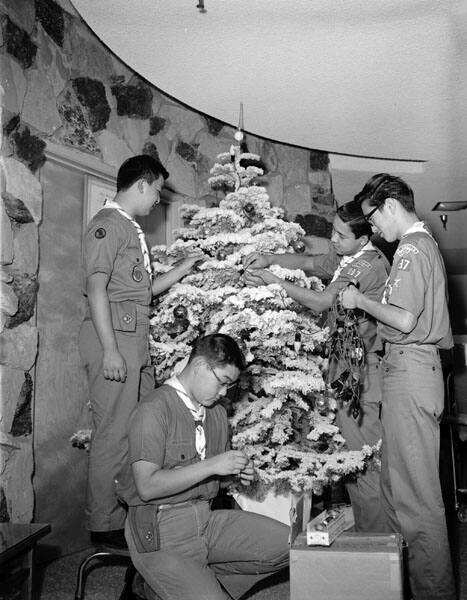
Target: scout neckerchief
x=199, y=415
x=142, y=239
x=347, y=260
x=418, y=227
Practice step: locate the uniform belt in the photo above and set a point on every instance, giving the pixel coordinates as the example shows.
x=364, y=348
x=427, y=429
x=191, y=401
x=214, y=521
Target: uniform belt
x=180, y=504
x=389, y=345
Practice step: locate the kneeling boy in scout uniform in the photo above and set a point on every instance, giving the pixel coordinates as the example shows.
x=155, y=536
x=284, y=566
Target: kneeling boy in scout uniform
x=178, y=459
x=114, y=334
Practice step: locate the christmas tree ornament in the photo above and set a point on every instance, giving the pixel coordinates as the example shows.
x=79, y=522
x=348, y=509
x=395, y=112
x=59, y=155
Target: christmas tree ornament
x=346, y=357
x=297, y=342
x=238, y=135
x=180, y=311
x=298, y=246
x=321, y=404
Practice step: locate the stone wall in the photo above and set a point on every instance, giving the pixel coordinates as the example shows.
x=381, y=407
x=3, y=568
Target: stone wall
x=62, y=85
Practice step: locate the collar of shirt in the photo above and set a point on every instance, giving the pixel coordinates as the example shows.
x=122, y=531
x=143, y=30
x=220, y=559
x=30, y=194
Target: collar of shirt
x=139, y=231
x=199, y=415
x=418, y=227
x=347, y=260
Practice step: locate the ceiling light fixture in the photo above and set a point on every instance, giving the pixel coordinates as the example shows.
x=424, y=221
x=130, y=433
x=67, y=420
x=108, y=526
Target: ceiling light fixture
x=444, y=207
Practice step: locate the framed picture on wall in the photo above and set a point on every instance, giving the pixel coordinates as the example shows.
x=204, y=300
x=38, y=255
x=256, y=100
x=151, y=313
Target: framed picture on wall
x=97, y=191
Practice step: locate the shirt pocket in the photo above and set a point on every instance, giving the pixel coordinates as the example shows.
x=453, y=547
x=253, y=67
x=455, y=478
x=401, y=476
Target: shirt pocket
x=179, y=454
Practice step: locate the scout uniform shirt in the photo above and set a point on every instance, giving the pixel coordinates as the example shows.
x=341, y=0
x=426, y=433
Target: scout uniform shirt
x=417, y=283
x=112, y=246
x=369, y=268
x=163, y=432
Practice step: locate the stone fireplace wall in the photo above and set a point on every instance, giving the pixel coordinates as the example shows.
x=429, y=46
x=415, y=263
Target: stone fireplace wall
x=61, y=85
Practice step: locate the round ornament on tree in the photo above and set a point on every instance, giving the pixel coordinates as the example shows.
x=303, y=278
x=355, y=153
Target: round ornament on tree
x=180, y=312
x=298, y=246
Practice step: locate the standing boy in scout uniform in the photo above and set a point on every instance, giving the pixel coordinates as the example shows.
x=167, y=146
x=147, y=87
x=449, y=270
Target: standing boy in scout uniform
x=414, y=323
x=351, y=258
x=114, y=335
x=178, y=458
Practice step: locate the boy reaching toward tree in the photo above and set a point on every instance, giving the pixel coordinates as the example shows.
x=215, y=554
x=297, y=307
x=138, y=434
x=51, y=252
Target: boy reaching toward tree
x=114, y=334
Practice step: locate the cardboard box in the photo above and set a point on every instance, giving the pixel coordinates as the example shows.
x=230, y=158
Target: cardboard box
x=357, y=566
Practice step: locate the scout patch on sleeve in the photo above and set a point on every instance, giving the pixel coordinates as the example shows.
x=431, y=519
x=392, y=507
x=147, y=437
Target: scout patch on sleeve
x=405, y=253
x=100, y=233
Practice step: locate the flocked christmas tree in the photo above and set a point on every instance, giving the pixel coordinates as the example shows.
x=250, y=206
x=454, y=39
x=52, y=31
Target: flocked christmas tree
x=281, y=415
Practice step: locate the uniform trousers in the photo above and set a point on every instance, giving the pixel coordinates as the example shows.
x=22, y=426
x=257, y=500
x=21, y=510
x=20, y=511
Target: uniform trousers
x=365, y=490
x=112, y=403
x=203, y=553
x=413, y=402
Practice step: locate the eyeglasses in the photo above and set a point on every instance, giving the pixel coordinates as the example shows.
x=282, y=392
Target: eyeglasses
x=368, y=216
x=226, y=384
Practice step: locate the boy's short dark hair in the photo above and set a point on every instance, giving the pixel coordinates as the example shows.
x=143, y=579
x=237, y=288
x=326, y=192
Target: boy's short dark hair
x=352, y=214
x=139, y=167
x=382, y=186
x=218, y=349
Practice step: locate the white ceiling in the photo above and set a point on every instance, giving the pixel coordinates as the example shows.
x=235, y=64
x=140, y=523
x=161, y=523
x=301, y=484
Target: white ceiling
x=362, y=77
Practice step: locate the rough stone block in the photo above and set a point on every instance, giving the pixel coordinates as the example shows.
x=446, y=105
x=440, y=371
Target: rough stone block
x=114, y=150
x=28, y=148
x=298, y=199
x=156, y=124
x=21, y=12
x=39, y=108
x=91, y=94
x=182, y=123
x=25, y=287
x=133, y=101
x=11, y=382
x=275, y=189
x=214, y=125
x=17, y=481
x=186, y=151
x=151, y=150
x=319, y=161
x=314, y=225
x=6, y=241
x=269, y=157
x=18, y=43
x=13, y=83
x=22, y=420
x=320, y=179
x=50, y=16
x=293, y=164
x=4, y=512
x=76, y=129
x=16, y=209
x=18, y=347
x=182, y=176
x=22, y=184
x=8, y=300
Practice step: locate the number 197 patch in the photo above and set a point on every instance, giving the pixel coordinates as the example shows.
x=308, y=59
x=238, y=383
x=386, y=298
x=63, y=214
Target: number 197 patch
x=404, y=264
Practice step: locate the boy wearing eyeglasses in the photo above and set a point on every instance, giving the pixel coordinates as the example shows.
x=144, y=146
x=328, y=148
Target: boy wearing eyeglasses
x=351, y=258
x=413, y=321
x=179, y=457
